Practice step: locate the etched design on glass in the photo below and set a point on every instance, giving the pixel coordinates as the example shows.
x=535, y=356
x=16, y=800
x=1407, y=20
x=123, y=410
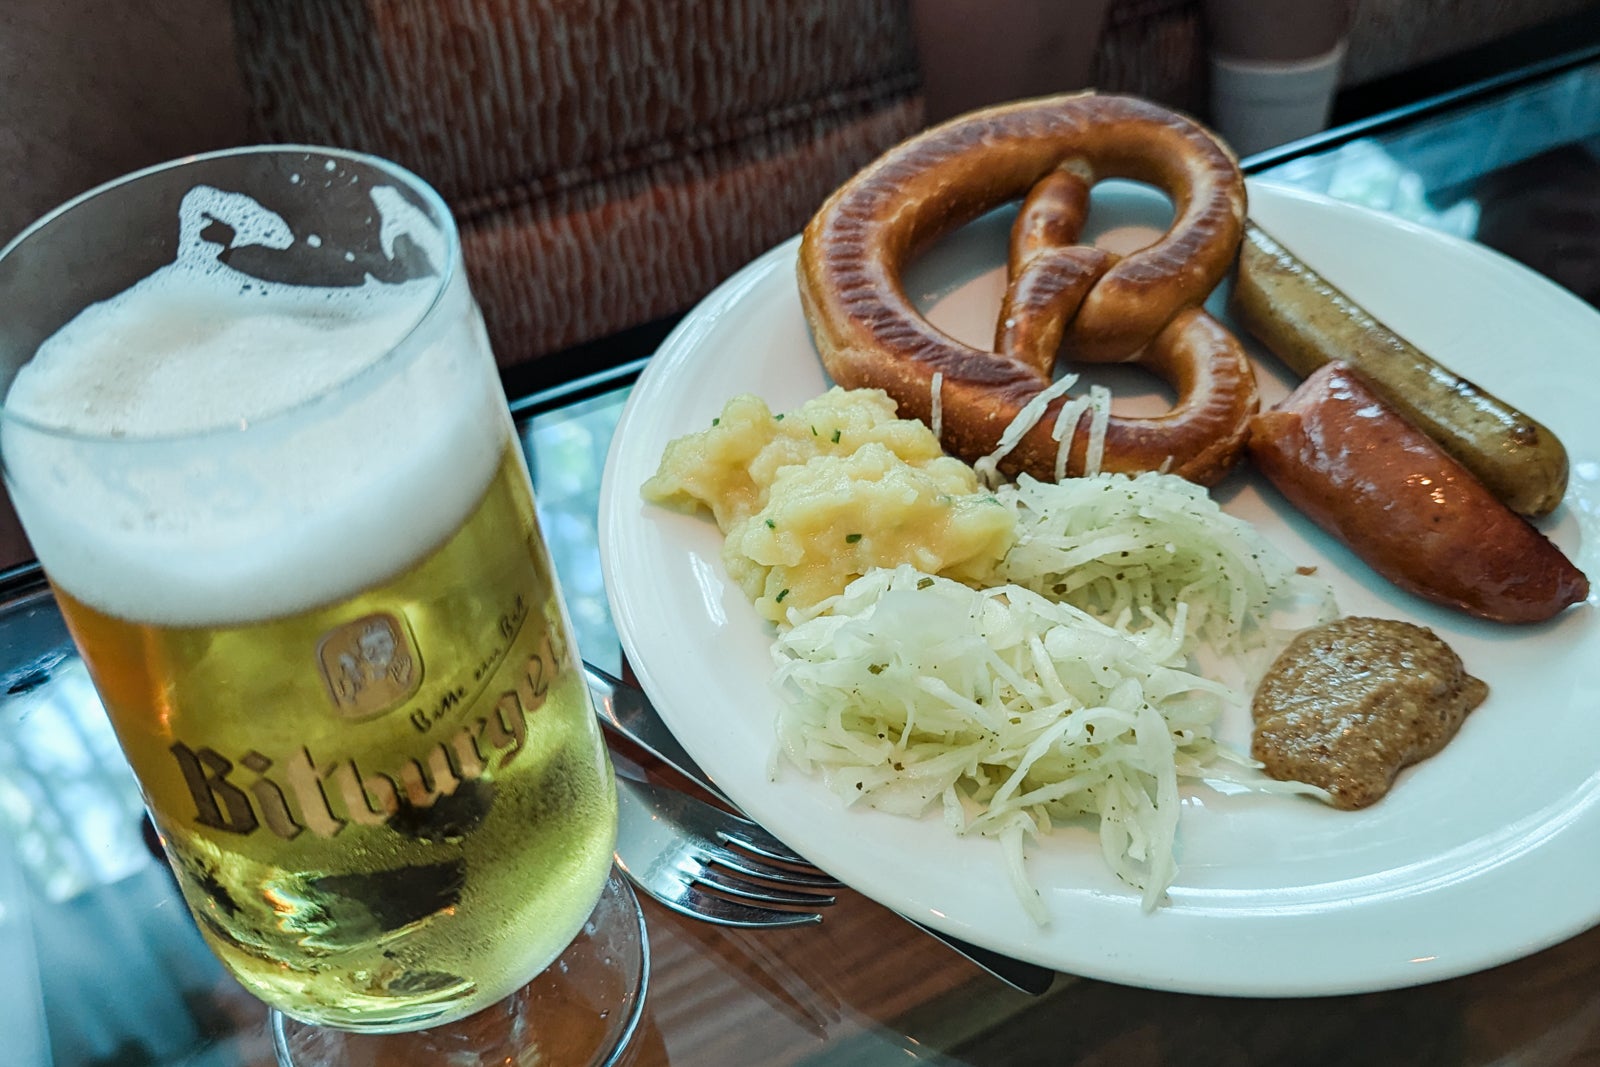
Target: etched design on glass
x=371, y=664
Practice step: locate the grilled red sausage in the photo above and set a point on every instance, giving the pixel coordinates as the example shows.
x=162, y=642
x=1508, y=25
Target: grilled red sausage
x=1363, y=473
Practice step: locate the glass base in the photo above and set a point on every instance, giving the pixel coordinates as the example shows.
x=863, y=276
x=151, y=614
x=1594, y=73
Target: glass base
x=582, y=1009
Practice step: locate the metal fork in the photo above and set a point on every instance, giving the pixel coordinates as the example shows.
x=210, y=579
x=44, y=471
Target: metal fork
x=628, y=713
x=710, y=864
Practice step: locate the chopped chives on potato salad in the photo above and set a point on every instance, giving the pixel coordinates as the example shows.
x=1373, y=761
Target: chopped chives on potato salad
x=1011, y=658
x=811, y=498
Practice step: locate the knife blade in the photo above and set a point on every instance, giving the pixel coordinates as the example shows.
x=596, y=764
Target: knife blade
x=627, y=711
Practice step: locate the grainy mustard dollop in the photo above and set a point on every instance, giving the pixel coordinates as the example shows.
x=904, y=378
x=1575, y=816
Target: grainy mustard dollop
x=811, y=499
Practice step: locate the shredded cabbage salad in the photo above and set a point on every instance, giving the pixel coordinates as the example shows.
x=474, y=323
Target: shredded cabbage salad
x=1007, y=710
x=1148, y=550
x=1073, y=688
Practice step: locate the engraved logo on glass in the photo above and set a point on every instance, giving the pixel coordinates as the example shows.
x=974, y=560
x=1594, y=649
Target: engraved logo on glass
x=370, y=665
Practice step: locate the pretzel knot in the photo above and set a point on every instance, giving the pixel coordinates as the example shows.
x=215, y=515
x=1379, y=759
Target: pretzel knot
x=1061, y=297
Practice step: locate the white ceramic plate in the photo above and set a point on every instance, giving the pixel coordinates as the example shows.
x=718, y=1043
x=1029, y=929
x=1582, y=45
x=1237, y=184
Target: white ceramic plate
x=1485, y=853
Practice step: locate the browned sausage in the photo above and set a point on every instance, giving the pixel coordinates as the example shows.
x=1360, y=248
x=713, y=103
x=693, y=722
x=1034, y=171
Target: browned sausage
x=1306, y=322
x=1363, y=473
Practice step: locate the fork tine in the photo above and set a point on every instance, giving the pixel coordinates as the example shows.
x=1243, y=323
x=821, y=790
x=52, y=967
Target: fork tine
x=709, y=874
x=716, y=829
x=626, y=711
x=751, y=837
x=754, y=866
x=687, y=900
x=668, y=845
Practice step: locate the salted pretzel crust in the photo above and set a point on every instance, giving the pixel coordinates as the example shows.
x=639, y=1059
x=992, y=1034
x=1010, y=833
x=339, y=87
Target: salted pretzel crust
x=1087, y=303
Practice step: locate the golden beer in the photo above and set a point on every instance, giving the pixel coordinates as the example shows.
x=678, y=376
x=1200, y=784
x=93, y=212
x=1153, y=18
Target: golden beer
x=373, y=869
x=323, y=621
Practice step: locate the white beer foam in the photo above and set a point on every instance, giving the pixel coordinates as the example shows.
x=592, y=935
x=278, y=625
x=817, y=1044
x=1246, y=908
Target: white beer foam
x=319, y=498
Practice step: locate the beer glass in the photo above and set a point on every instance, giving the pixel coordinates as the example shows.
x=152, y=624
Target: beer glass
x=254, y=431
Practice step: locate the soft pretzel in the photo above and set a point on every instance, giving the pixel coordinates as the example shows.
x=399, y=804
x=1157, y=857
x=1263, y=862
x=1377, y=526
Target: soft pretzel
x=1142, y=307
